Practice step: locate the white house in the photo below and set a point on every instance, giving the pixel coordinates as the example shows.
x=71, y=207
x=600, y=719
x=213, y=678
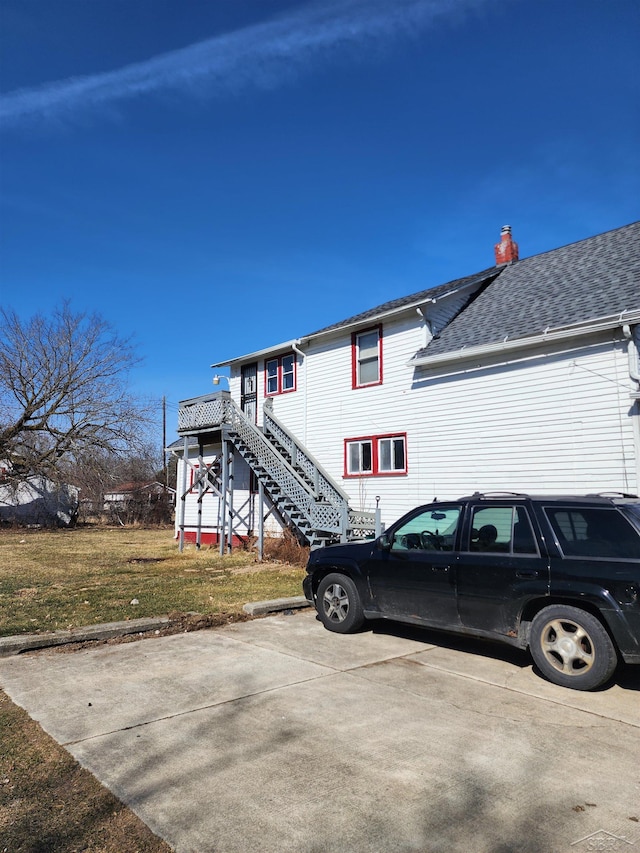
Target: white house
x=36, y=500
x=523, y=377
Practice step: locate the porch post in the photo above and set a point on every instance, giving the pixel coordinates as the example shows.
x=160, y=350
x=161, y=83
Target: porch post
x=183, y=490
x=260, y=521
x=230, y=469
x=222, y=522
x=200, y=493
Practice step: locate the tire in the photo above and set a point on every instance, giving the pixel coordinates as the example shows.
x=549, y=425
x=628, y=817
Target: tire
x=572, y=648
x=338, y=604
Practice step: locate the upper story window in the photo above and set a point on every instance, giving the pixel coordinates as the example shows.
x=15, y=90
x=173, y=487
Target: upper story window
x=280, y=374
x=375, y=454
x=366, y=357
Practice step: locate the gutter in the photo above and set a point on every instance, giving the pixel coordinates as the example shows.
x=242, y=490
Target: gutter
x=625, y=318
x=256, y=355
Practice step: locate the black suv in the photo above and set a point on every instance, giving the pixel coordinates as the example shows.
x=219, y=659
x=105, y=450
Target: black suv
x=557, y=575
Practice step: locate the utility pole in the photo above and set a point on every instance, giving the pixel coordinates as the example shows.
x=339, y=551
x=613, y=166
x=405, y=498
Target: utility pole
x=165, y=470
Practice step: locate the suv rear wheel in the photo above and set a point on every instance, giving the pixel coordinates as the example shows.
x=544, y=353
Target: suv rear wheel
x=339, y=605
x=572, y=648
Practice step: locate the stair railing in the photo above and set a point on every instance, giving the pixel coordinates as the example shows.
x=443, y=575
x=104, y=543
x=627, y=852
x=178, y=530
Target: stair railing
x=319, y=514
x=301, y=458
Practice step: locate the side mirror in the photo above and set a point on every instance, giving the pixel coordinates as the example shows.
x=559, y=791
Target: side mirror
x=384, y=542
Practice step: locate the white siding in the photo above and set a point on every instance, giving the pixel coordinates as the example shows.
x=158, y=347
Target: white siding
x=558, y=424
x=561, y=422
x=335, y=411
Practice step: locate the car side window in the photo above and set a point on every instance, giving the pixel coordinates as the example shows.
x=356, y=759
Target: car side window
x=594, y=532
x=502, y=530
x=431, y=530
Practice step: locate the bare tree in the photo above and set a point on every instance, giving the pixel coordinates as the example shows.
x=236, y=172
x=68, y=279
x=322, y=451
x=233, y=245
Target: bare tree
x=63, y=392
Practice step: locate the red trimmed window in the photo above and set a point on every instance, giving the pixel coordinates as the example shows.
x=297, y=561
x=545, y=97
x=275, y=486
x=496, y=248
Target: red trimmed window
x=280, y=375
x=375, y=455
x=194, y=471
x=366, y=357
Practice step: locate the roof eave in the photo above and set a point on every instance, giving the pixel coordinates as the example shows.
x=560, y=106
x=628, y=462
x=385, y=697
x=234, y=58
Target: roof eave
x=513, y=344
x=253, y=356
x=356, y=323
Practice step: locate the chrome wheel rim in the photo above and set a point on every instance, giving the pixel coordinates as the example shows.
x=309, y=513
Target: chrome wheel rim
x=567, y=647
x=335, y=603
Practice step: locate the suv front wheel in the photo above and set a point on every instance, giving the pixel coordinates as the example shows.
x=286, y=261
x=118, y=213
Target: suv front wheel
x=572, y=648
x=339, y=605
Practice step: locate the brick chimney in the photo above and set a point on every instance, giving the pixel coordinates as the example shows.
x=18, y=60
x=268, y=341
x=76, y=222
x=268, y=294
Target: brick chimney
x=506, y=250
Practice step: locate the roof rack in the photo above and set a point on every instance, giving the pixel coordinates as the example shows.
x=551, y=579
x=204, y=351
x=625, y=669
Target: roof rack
x=499, y=495
x=612, y=494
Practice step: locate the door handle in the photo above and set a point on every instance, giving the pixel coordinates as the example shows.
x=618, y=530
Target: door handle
x=440, y=568
x=527, y=574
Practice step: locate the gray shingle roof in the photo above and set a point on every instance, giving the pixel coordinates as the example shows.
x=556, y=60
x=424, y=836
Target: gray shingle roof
x=596, y=277
x=413, y=299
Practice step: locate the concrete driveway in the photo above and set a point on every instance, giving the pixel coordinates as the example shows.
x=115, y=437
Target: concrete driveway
x=276, y=735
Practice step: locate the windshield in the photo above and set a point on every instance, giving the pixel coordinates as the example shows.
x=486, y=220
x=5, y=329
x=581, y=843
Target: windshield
x=430, y=530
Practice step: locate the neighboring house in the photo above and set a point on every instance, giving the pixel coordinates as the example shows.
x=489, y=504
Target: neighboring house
x=147, y=492
x=36, y=501
x=522, y=377
x=138, y=499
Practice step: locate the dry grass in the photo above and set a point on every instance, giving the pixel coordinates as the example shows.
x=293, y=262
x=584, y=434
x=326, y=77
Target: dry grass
x=49, y=804
x=55, y=580
x=60, y=579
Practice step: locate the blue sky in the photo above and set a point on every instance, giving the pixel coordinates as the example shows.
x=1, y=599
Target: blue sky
x=217, y=176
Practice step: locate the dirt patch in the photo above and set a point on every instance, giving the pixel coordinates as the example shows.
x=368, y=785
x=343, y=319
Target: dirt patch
x=180, y=623
x=28, y=592
x=143, y=560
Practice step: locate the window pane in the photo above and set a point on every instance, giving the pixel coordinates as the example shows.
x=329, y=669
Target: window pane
x=272, y=376
x=594, y=532
x=491, y=529
x=368, y=358
x=287, y=372
x=353, y=465
x=398, y=454
x=434, y=530
x=366, y=456
x=368, y=345
x=523, y=539
x=384, y=454
x=368, y=372
x=391, y=454
x=359, y=457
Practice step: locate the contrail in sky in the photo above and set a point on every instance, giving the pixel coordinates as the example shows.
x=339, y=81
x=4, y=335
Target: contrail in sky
x=262, y=55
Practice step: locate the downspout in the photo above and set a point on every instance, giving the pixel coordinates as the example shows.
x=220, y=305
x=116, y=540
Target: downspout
x=633, y=336
x=427, y=325
x=633, y=355
x=295, y=346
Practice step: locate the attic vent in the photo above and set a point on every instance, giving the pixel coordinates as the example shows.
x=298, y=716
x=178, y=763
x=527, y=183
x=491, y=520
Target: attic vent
x=506, y=250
